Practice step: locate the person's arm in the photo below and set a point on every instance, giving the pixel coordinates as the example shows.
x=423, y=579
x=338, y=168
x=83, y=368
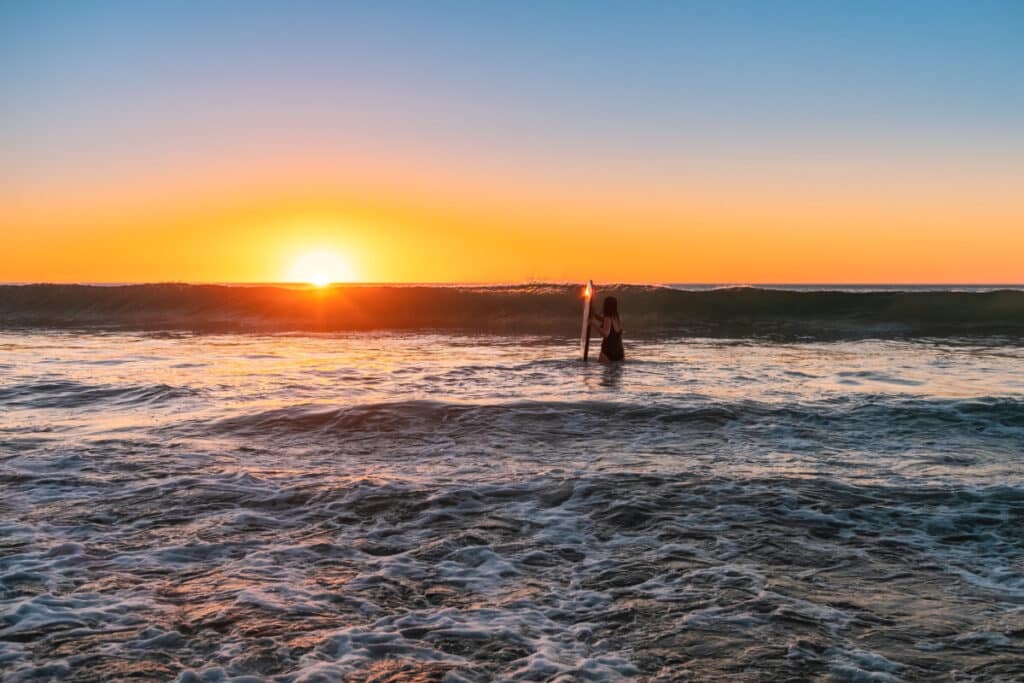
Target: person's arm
x=606, y=327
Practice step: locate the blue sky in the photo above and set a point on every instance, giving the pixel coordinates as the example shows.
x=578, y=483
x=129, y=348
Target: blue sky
x=592, y=74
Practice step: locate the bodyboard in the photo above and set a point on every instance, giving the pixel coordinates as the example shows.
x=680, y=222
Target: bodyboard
x=588, y=297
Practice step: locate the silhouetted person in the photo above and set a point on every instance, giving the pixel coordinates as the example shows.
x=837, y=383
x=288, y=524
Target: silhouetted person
x=610, y=326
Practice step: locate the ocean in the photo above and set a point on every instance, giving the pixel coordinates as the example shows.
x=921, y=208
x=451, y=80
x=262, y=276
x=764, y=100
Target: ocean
x=424, y=483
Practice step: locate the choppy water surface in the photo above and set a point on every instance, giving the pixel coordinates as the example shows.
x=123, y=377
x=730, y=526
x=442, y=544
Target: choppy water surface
x=409, y=507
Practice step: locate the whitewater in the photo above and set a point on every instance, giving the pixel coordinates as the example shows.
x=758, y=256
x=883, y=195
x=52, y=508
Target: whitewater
x=415, y=504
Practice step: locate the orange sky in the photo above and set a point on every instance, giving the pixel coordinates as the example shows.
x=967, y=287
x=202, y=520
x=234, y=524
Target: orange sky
x=486, y=225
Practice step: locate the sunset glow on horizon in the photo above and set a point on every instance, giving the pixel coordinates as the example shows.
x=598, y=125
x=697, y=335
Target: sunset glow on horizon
x=692, y=142
x=320, y=267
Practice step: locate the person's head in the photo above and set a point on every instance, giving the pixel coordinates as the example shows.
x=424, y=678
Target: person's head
x=611, y=307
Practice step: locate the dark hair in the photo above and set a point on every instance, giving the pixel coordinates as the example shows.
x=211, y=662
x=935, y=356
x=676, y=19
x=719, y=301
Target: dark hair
x=610, y=307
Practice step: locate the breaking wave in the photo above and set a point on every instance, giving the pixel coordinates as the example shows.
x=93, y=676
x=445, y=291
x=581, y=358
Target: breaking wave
x=515, y=309
x=999, y=416
x=69, y=394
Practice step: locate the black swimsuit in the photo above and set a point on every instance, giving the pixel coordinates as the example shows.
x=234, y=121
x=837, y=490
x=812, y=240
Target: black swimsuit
x=611, y=346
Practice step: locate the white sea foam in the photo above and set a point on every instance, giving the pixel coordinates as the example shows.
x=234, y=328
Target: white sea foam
x=319, y=508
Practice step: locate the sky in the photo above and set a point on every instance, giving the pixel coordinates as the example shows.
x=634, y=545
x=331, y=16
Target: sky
x=690, y=141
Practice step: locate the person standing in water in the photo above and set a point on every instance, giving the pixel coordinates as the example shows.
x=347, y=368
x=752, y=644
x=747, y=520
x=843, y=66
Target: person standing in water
x=610, y=326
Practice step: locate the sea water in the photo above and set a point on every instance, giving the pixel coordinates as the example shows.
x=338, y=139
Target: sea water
x=413, y=506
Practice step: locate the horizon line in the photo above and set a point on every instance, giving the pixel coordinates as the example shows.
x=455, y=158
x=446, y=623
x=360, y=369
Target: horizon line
x=491, y=283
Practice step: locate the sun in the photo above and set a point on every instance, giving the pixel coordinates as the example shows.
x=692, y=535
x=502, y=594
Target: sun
x=320, y=268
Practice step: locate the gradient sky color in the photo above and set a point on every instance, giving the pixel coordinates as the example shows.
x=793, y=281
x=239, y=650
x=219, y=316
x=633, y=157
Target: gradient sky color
x=717, y=141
